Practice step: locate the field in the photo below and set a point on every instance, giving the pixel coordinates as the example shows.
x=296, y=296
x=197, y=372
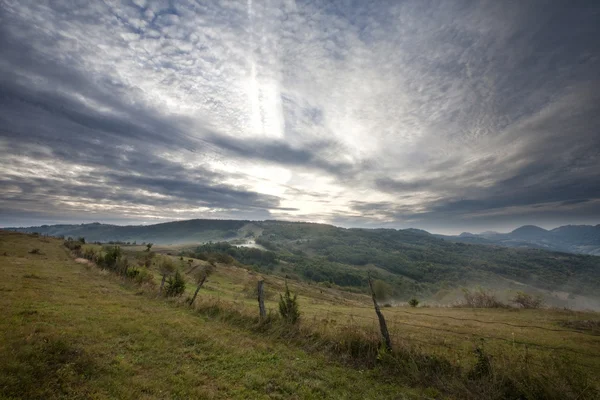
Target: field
x=72, y=330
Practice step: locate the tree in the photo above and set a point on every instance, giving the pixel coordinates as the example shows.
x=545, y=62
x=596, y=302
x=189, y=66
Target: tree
x=200, y=277
x=413, y=302
x=166, y=268
x=149, y=246
x=175, y=285
x=288, y=306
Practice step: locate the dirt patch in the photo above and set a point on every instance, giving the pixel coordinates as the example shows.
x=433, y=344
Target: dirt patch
x=83, y=261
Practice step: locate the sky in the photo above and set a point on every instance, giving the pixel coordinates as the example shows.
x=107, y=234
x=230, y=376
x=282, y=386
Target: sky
x=448, y=116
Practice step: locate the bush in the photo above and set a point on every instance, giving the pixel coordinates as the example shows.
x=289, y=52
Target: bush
x=526, y=300
x=288, y=306
x=413, y=302
x=144, y=276
x=175, y=285
x=481, y=298
x=35, y=251
x=90, y=254
x=72, y=245
x=112, y=256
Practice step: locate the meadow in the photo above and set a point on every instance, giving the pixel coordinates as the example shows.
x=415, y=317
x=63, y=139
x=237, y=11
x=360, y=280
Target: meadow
x=74, y=330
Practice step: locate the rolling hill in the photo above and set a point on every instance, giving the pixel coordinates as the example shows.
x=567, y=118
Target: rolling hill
x=411, y=261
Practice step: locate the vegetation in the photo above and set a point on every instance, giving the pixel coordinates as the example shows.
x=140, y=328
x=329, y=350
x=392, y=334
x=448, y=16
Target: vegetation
x=200, y=277
x=412, y=262
x=166, y=268
x=175, y=285
x=413, y=302
x=75, y=332
x=480, y=298
x=88, y=333
x=288, y=306
x=526, y=300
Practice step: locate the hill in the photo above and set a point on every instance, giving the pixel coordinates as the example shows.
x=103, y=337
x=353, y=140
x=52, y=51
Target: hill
x=412, y=261
x=73, y=329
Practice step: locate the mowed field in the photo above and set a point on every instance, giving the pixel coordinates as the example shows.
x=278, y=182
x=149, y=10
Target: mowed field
x=72, y=330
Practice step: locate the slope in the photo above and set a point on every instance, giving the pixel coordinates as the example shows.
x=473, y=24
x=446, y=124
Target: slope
x=70, y=331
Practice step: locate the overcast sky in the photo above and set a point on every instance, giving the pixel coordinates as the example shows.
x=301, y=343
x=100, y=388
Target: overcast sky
x=441, y=115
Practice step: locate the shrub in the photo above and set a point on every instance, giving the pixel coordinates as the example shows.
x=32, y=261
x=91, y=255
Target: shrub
x=526, y=300
x=112, y=256
x=72, y=245
x=35, y=251
x=288, y=306
x=89, y=254
x=175, y=285
x=481, y=298
x=166, y=268
x=144, y=276
x=413, y=302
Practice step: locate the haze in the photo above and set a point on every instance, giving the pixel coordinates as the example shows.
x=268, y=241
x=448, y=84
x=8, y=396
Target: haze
x=445, y=116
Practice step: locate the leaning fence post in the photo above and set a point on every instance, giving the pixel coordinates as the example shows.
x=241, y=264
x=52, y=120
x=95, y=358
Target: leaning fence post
x=382, y=324
x=261, y=300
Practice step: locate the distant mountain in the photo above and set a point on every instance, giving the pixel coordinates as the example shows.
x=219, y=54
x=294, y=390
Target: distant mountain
x=579, y=239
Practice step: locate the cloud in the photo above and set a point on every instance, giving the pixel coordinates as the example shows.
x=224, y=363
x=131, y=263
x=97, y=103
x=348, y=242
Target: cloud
x=364, y=113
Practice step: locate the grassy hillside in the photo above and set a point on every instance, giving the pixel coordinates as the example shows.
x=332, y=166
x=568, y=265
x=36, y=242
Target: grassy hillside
x=412, y=261
x=78, y=331
x=71, y=331
x=191, y=231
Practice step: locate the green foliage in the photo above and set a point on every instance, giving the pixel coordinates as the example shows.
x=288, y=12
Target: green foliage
x=421, y=263
x=72, y=245
x=413, y=302
x=288, y=306
x=483, y=365
x=149, y=246
x=225, y=253
x=112, y=255
x=175, y=285
x=81, y=240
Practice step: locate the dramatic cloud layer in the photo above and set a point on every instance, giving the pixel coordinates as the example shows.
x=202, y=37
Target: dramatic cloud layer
x=445, y=115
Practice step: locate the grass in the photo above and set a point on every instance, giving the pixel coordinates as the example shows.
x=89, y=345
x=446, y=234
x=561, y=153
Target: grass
x=75, y=332
x=72, y=330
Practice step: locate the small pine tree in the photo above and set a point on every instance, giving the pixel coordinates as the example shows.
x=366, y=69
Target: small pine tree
x=288, y=306
x=413, y=302
x=175, y=285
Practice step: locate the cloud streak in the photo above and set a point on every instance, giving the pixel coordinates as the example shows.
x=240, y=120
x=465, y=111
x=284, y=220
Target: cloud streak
x=445, y=116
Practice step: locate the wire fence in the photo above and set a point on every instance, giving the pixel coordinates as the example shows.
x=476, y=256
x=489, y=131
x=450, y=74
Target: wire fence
x=357, y=320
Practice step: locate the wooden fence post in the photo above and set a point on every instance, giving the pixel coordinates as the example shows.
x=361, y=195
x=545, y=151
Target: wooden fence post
x=261, y=300
x=382, y=324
